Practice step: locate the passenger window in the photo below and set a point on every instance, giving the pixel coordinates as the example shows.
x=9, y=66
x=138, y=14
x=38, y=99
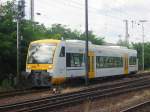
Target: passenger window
x=74, y=60
x=62, y=52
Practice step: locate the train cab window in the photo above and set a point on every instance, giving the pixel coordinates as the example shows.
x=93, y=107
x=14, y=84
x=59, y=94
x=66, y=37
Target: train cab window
x=62, y=52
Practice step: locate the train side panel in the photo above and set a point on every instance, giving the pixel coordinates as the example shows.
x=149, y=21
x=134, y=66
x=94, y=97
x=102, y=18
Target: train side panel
x=75, y=66
x=106, y=65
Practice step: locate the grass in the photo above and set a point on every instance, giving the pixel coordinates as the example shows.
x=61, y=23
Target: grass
x=115, y=104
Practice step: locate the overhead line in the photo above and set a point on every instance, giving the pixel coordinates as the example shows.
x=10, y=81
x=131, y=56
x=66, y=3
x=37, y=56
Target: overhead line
x=91, y=10
x=83, y=7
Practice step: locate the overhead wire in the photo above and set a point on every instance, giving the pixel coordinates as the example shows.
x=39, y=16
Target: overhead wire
x=80, y=6
x=77, y=5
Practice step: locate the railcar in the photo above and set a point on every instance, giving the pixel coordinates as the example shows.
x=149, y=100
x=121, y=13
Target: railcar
x=55, y=61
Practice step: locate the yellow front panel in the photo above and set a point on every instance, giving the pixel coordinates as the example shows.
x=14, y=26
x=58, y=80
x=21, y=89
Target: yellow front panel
x=39, y=66
x=47, y=41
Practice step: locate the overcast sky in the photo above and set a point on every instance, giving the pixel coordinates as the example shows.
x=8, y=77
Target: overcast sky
x=105, y=16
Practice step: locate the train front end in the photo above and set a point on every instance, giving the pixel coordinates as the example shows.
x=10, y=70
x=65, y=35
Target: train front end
x=40, y=62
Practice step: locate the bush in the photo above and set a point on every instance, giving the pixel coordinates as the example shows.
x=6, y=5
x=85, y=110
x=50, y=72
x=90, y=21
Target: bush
x=6, y=85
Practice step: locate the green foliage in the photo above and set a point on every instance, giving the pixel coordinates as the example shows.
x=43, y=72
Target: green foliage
x=138, y=47
x=7, y=40
x=6, y=85
x=57, y=31
x=93, y=38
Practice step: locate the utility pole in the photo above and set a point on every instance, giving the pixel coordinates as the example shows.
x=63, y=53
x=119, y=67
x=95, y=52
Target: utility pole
x=143, y=36
x=86, y=43
x=126, y=33
x=18, y=49
x=20, y=15
x=32, y=10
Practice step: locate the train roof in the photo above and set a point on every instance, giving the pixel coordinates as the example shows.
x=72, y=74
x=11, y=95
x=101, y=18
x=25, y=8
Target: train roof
x=46, y=41
x=81, y=43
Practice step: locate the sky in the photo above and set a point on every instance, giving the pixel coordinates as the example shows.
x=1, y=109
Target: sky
x=106, y=17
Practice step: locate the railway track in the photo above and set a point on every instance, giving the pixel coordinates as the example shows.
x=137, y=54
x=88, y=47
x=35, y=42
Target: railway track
x=19, y=92
x=29, y=90
x=137, y=107
x=99, y=91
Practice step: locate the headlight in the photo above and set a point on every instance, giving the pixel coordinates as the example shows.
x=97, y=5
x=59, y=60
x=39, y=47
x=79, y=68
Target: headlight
x=28, y=67
x=50, y=67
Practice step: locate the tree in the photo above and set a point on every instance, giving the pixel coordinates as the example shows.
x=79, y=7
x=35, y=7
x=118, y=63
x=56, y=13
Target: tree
x=7, y=40
x=57, y=31
x=138, y=47
x=93, y=38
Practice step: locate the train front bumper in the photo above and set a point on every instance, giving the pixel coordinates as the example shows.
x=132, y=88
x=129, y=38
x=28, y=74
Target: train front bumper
x=40, y=79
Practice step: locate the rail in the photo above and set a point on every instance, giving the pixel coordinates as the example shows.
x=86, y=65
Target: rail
x=136, y=107
x=20, y=92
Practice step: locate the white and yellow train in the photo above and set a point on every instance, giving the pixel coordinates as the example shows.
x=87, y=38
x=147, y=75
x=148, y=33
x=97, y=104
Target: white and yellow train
x=54, y=61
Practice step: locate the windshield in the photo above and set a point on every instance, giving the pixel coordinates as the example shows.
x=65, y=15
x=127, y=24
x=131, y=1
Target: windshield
x=41, y=53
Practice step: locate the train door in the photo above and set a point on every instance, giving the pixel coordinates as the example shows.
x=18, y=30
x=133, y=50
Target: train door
x=61, y=69
x=126, y=64
x=91, y=72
